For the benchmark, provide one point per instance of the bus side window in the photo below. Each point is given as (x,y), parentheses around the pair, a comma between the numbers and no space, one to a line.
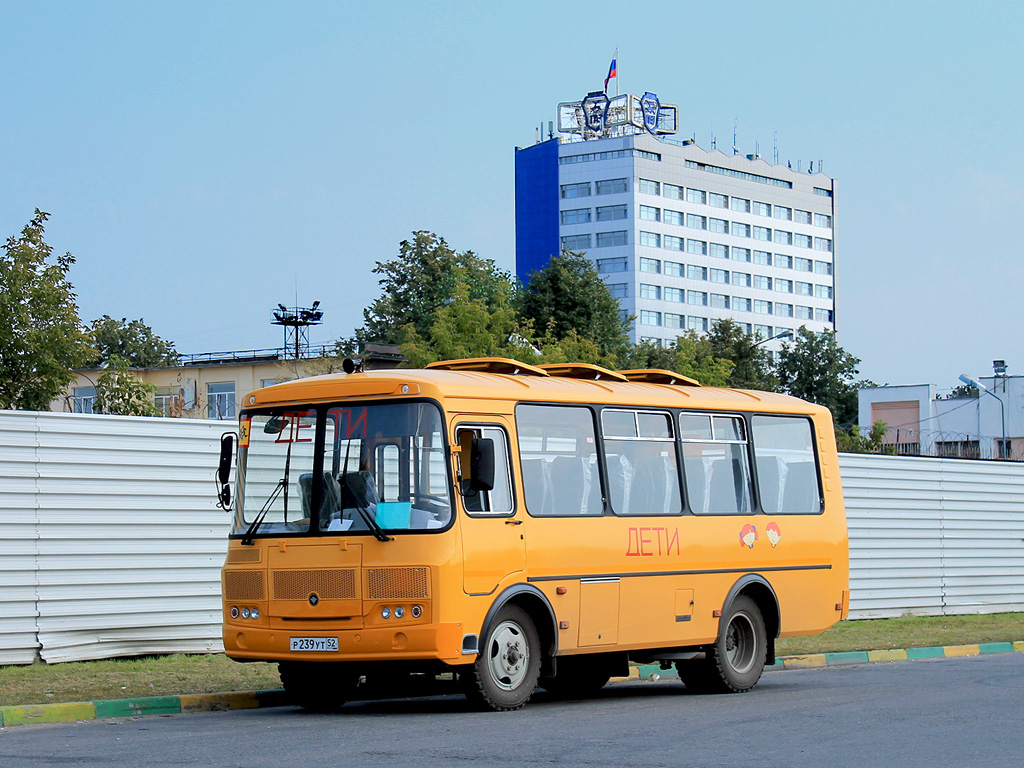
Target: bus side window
(559,467)
(497,501)
(715,464)
(787,471)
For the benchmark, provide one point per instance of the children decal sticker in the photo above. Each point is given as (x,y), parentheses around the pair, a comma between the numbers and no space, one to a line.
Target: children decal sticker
(773,533)
(748,535)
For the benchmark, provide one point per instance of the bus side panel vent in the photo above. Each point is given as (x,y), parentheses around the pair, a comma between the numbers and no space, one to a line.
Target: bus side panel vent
(240,586)
(331,584)
(397,583)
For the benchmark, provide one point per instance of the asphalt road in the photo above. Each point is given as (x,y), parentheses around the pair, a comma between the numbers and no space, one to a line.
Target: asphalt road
(947,712)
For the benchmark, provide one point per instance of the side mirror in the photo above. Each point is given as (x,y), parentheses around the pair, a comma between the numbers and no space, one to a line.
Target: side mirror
(227,452)
(481,463)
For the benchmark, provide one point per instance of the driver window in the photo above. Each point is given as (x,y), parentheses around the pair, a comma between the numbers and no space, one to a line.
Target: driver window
(497,501)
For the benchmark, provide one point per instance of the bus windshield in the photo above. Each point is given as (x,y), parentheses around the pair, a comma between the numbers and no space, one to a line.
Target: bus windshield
(380,467)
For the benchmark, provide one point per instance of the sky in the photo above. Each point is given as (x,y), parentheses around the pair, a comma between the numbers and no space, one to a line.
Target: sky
(205,161)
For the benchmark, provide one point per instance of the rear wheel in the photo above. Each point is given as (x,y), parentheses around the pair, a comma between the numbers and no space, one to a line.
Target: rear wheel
(578,677)
(322,687)
(735,662)
(506,669)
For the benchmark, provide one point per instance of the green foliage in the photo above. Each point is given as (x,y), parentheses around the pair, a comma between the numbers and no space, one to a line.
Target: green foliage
(752,365)
(41,338)
(964,390)
(134,342)
(814,367)
(569,295)
(421,282)
(691,355)
(119,391)
(853,441)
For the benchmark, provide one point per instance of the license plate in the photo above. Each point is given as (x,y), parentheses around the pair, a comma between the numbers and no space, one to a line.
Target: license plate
(314,644)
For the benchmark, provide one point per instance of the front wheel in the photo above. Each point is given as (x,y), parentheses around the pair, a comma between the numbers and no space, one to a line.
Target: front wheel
(506,669)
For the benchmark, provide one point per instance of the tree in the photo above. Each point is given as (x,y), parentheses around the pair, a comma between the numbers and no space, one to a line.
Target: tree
(569,295)
(133,342)
(853,441)
(690,355)
(814,367)
(752,365)
(421,282)
(119,391)
(41,336)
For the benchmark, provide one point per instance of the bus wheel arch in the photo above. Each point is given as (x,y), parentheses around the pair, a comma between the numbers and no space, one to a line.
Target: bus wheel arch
(758,589)
(539,609)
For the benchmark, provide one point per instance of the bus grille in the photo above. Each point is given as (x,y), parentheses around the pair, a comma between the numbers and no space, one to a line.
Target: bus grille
(397,583)
(327,584)
(243,555)
(243,585)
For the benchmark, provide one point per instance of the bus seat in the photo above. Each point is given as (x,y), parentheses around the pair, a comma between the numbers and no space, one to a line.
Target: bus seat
(801,489)
(568,485)
(358,489)
(726,492)
(595,504)
(696,480)
(537,486)
(647,491)
(620,482)
(331,501)
(769,483)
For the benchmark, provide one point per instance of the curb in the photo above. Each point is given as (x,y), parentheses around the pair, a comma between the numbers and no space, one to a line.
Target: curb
(222,702)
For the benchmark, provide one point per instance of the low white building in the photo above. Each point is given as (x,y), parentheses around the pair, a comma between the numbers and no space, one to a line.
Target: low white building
(920,420)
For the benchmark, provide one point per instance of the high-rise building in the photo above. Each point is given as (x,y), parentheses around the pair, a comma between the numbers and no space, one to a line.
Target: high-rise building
(683,236)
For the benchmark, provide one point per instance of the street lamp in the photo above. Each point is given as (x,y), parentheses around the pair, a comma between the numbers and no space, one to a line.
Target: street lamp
(1002,408)
(783,335)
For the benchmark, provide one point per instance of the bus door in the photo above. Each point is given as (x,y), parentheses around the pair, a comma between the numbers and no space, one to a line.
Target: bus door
(493,544)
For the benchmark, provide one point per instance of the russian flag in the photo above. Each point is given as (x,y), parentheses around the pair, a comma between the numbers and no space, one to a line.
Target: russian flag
(612,71)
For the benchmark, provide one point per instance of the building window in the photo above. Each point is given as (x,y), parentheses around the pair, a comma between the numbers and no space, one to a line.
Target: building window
(697,324)
(823,315)
(801,217)
(674,268)
(716,200)
(672,320)
(782,237)
(783,310)
(618,264)
(783,261)
(672,243)
(740,204)
(606,239)
(649,187)
(720,276)
(763,282)
(763,258)
(575,242)
(804,313)
(650,265)
(823,220)
(693,272)
(83,400)
(269,382)
(698,247)
(718,250)
(801,264)
(673,217)
(648,291)
(742,279)
(220,400)
(804,289)
(650,213)
(675,294)
(763,233)
(699,298)
(719,301)
(740,229)
(740,304)
(823,291)
(762,209)
(611,212)
(647,317)
(576,216)
(823,192)
(762,307)
(693,221)
(802,241)
(575,190)
(823,244)
(672,191)
(823,267)
(696,196)
(619,290)
(764,331)
(612,186)
(653,239)
(740,254)
(782,212)
(721,226)
(783,286)
(652,340)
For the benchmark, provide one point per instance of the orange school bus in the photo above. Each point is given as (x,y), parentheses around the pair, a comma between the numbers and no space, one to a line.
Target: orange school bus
(521,526)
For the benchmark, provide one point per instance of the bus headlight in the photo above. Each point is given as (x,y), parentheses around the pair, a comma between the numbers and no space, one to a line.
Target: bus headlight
(399,612)
(245,613)
(255,613)
(385,613)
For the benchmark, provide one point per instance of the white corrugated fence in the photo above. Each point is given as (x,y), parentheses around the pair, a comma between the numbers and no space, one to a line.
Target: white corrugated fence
(111,543)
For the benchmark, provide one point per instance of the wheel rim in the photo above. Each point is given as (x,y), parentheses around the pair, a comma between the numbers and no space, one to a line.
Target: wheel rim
(508,656)
(741,643)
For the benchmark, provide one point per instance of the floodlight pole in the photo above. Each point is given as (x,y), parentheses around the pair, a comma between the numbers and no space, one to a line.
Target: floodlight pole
(1002,409)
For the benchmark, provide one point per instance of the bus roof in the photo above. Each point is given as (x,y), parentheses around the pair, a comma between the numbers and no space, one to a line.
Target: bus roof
(443,384)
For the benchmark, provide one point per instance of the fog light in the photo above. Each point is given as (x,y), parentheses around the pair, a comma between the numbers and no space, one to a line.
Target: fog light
(385,613)
(255,613)
(416,611)
(245,613)
(399,612)
(234,611)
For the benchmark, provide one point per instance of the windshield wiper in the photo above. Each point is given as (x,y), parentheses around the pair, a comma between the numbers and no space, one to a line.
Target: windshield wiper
(257,521)
(378,532)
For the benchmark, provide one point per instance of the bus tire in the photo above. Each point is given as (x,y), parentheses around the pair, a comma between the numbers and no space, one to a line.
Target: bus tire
(506,669)
(317,687)
(739,654)
(578,677)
